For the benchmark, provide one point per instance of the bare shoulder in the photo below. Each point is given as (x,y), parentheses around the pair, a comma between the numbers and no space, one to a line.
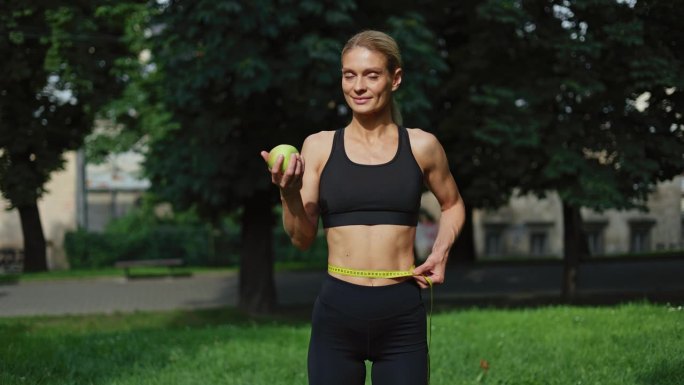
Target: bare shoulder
(424,145)
(316,148)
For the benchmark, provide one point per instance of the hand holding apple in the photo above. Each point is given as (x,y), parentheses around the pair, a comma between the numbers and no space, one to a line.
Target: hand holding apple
(291,182)
(282,149)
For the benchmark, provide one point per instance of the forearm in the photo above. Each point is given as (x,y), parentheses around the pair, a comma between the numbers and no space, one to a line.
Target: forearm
(450,225)
(297,223)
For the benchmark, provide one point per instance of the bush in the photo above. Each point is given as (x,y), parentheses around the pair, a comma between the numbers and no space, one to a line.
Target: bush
(141,234)
(194,245)
(89,250)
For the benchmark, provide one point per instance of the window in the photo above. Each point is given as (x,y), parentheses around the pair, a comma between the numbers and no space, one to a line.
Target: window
(639,241)
(594,232)
(494,245)
(538,243)
(539,238)
(640,235)
(595,242)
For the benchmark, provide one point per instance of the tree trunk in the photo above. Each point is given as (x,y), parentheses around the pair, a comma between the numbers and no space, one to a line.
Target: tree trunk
(463,250)
(35,258)
(257,287)
(575,248)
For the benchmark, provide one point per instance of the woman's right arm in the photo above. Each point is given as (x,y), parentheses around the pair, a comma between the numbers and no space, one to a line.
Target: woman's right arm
(299,192)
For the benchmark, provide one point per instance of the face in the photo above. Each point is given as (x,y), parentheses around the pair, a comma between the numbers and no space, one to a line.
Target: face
(366,83)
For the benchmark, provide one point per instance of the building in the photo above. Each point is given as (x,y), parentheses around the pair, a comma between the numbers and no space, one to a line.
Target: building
(532,227)
(57,213)
(111,190)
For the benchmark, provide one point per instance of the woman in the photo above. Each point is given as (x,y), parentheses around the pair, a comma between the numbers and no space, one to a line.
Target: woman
(365,182)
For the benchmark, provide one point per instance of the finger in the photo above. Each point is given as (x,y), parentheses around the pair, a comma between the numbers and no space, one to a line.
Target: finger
(299,169)
(436,278)
(288,175)
(264,155)
(277,166)
(421,281)
(420,270)
(292,165)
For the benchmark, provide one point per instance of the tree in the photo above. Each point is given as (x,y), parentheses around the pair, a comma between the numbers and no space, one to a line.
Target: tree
(478,117)
(547,103)
(603,150)
(235,78)
(57,61)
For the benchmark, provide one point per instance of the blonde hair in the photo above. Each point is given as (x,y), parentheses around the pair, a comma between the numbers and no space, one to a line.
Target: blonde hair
(383,43)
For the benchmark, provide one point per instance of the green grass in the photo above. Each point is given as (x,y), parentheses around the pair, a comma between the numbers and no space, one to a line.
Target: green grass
(635,344)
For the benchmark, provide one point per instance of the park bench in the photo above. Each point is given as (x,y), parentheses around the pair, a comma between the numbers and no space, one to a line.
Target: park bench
(127,265)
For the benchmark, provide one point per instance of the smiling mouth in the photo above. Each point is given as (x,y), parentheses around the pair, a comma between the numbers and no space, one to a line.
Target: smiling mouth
(361,100)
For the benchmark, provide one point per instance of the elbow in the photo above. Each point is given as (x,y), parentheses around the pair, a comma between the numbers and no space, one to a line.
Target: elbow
(302,244)
(302,237)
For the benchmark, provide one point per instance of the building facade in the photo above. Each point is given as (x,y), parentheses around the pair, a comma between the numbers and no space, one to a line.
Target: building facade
(57,213)
(78,196)
(532,227)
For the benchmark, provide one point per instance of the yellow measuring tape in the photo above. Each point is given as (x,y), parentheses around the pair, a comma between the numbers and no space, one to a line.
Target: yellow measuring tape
(390,274)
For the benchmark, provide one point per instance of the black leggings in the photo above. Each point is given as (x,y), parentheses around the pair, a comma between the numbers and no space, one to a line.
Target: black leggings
(383,324)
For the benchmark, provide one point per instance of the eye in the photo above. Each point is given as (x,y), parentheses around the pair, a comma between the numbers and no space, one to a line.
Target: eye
(373,76)
(348,75)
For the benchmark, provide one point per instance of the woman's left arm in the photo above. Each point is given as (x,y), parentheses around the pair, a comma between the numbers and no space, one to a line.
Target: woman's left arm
(431,157)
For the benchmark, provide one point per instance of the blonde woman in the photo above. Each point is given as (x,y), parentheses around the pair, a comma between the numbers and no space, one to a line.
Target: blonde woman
(364,181)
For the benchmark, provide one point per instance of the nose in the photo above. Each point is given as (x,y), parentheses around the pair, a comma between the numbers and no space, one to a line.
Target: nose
(359,85)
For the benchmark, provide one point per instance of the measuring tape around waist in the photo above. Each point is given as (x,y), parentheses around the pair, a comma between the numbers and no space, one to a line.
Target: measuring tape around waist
(371,273)
(390,274)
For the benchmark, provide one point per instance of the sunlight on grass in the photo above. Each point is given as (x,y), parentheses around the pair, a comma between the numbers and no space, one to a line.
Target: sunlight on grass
(629,344)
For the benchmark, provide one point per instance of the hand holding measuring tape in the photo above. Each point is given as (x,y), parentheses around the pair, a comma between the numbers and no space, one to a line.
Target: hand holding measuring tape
(431,270)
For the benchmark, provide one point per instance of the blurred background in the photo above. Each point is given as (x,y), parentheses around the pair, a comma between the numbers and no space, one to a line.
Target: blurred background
(131,130)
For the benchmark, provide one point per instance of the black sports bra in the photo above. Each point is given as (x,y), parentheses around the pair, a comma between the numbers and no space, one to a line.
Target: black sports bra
(362,194)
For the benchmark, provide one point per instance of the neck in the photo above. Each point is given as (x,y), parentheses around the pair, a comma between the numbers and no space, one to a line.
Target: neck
(372,124)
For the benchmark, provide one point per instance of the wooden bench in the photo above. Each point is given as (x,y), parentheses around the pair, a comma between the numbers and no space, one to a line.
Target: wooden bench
(127,265)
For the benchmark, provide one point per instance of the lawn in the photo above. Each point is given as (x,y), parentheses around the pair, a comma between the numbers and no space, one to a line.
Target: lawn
(637,343)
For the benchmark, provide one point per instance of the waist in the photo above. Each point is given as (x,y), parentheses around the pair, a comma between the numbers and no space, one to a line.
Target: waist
(364,273)
(370,277)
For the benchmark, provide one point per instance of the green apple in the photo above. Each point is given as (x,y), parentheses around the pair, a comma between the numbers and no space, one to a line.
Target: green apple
(282,149)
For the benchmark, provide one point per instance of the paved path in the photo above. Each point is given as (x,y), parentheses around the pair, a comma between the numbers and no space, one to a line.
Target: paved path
(478,284)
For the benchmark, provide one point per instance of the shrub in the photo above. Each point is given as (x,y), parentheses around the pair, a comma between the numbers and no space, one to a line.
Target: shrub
(142,234)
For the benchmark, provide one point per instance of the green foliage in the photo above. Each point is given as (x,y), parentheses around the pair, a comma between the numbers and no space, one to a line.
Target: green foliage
(142,234)
(541,97)
(214,94)
(57,61)
(423,68)
(89,250)
(56,75)
(135,116)
(622,345)
(225,76)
